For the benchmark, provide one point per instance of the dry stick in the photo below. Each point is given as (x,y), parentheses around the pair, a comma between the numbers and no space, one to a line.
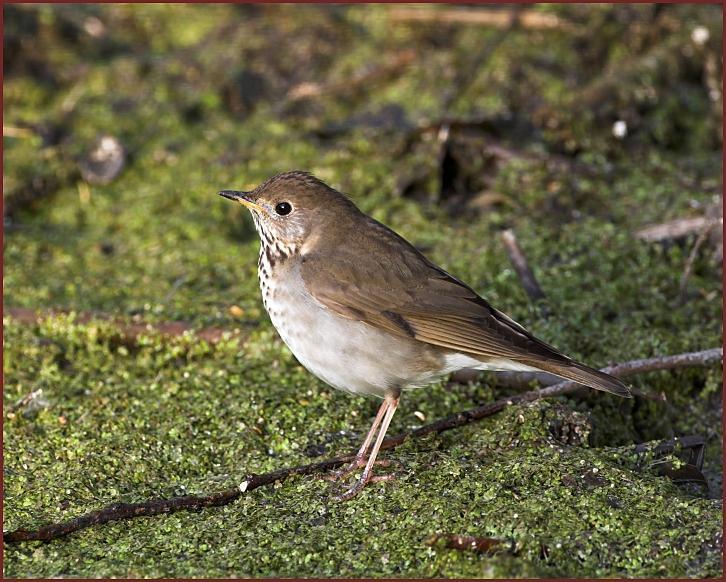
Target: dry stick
(674,229)
(703,358)
(17,132)
(118,511)
(522,380)
(483,17)
(521,266)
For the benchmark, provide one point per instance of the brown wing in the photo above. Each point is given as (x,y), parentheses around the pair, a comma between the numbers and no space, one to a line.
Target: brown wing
(413,297)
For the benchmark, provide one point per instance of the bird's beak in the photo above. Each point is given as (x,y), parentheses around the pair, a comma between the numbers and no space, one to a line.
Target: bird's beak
(243,198)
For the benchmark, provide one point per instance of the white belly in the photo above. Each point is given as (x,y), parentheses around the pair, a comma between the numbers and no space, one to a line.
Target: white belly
(347,354)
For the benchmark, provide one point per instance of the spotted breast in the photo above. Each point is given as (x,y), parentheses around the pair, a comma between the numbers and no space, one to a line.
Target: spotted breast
(348,355)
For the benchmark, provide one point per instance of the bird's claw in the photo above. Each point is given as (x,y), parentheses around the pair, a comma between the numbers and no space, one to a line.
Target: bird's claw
(353,467)
(358,486)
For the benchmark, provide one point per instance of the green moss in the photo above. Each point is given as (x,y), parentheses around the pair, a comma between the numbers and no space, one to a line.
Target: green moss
(170,417)
(151,429)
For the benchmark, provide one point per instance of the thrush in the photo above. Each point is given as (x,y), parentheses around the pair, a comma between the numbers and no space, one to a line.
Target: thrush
(366,312)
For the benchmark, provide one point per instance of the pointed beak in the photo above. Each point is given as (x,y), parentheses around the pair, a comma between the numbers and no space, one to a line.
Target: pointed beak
(241,197)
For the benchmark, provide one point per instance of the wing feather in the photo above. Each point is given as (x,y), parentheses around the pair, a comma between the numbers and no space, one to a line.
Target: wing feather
(416,299)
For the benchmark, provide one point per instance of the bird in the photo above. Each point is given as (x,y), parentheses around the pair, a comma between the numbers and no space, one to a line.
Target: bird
(366,312)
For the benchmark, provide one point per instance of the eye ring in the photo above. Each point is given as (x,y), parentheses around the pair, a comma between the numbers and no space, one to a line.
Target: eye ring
(283,208)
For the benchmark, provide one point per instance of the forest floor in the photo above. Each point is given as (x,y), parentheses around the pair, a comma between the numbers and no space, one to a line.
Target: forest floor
(576,127)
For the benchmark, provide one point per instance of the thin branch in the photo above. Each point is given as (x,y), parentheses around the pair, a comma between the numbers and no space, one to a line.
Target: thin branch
(691,359)
(529,19)
(119,511)
(675,229)
(521,266)
(522,380)
(18,132)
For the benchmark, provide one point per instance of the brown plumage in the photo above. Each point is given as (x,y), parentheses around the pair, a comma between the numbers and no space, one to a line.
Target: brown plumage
(365,311)
(412,297)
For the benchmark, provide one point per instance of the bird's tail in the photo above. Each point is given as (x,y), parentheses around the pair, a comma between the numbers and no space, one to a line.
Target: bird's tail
(588,376)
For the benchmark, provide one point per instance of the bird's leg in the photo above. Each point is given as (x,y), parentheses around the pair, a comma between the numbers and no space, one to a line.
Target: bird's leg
(360,456)
(367,472)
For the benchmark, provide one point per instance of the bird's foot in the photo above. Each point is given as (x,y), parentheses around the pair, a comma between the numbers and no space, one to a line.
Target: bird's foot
(357,487)
(352,491)
(352,468)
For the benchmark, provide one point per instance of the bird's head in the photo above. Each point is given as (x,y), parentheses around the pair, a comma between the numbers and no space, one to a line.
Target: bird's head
(292,207)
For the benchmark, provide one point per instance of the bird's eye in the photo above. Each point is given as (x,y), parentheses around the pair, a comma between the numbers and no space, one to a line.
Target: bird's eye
(283,208)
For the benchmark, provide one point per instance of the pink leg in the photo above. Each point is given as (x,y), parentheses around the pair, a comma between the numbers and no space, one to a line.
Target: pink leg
(367,472)
(361,454)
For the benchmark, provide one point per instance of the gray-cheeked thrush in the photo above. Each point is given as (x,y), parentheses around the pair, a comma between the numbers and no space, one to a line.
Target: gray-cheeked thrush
(366,312)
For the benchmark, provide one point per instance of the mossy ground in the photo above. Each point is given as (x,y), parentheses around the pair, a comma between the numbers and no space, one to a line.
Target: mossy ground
(170,417)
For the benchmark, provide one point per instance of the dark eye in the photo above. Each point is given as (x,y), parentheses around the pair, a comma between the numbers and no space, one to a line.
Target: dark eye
(283,208)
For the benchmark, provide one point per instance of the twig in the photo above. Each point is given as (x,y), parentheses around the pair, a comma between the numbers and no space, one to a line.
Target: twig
(688,268)
(691,359)
(128,333)
(521,266)
(483,17)
(521,380)
(18,132)
(119,511)
(674,229)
